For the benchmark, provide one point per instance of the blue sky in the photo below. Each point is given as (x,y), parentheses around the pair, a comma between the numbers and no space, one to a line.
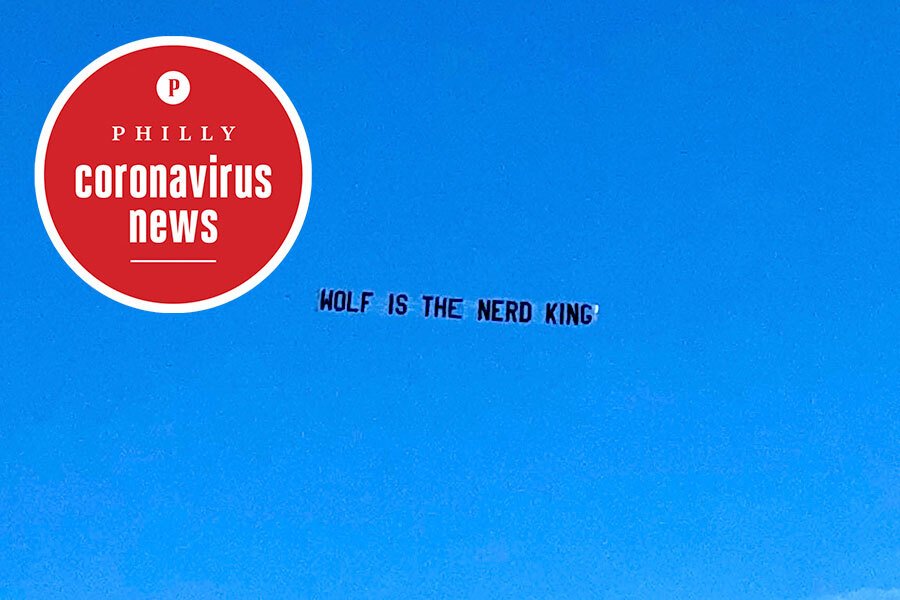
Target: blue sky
(720,178)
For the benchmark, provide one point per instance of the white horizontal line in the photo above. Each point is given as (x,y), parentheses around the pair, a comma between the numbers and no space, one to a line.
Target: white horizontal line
(172,260)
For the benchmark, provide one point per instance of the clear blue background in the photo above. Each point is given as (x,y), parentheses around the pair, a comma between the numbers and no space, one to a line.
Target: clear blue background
(722,179)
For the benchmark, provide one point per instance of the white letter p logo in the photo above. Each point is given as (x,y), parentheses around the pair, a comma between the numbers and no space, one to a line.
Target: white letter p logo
(173,87)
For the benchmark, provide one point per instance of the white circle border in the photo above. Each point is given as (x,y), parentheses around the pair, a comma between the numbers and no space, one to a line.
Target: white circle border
(197,305)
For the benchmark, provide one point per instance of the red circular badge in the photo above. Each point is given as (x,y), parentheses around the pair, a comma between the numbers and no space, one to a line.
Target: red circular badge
(173,174)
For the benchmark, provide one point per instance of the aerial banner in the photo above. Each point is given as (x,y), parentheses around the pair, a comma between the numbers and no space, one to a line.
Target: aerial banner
(456,308)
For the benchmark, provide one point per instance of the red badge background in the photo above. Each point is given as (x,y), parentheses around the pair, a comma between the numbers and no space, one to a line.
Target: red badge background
(123,92)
